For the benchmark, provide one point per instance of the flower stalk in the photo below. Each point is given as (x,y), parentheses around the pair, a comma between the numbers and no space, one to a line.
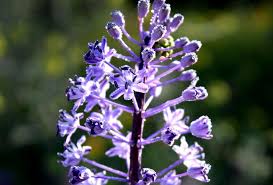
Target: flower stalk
(137,132)
(139,79)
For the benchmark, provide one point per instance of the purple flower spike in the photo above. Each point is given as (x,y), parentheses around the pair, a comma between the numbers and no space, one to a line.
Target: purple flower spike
(192,46)
(149,67)
(74,153)
(199,172)
(158,32)
(98,52)
(118,18)
(127,84)
(176,21)
(67,124)
(164,12)
(148,54)
(114,30)
(170,179)
(148,176)
(194,93)
(201,127)
(143,7)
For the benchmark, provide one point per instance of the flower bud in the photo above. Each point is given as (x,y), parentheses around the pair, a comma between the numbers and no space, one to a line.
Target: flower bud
(79,174)
(188,75)
(188,60)
(118,18)
(181,42)
(164,12)
(113,30)
(176,21)
(169,136)
(148,54)
(143,7)
(199,172)
(148,175)
(157,4)
(192,46)
(96,127)
(195,93)
(201,127)
(158,32)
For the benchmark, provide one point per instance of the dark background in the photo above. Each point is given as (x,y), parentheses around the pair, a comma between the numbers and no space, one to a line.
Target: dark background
(41,46)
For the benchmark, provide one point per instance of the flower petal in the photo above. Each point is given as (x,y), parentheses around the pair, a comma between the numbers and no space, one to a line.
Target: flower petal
(128,94)
(117,93)
(141,87)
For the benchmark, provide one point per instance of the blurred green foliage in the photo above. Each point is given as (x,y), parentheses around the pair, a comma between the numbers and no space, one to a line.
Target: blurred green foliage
(41,46)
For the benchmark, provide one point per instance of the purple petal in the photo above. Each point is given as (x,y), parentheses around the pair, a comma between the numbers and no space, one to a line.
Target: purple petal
(128,94)
(141,87)
(81,141)
(90,105)
(103,43)
(117,93)
(178,114)
(96,116)
(116,113)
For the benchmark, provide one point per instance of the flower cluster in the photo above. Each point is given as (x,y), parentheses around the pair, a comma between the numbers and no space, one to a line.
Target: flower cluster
(140,81)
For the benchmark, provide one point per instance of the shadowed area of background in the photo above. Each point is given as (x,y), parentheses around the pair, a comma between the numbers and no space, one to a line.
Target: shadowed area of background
(41,46)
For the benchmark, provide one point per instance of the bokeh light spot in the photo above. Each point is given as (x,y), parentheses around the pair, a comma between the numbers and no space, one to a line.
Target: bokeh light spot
(55,66)
(2,103)
(98,146)
(219,93)
(3,45)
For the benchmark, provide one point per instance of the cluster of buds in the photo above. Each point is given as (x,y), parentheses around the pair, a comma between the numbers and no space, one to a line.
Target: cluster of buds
(140,82)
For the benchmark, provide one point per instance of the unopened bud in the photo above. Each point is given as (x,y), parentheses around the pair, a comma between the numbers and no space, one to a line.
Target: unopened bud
(188,60)
(143,7)
(188,75)
(114,30)
(118,18)
(176,21)
(181,42)
(157,4)
(202,127)
(199,172)
(195,93)
(192,46)
(158,32)
(164,12)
